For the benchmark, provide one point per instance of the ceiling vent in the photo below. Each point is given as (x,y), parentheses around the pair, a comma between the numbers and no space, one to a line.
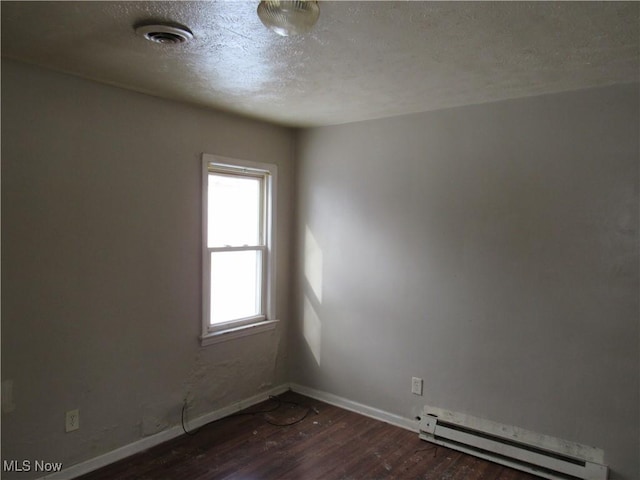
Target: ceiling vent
(164,33)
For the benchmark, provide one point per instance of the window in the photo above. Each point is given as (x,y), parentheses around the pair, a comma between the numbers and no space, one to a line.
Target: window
(238,248)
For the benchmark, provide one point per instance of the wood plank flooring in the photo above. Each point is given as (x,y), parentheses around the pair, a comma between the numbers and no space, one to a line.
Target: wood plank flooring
(330,444)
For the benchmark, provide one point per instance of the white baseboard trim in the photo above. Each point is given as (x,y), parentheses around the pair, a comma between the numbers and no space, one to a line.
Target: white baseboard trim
(148,442)
(360,408)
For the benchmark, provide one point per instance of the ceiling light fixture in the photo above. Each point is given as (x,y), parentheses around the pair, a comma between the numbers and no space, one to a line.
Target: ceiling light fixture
(164,33)
(287,18)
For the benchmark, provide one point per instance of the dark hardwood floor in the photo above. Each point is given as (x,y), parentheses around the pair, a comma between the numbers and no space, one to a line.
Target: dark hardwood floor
(330,444)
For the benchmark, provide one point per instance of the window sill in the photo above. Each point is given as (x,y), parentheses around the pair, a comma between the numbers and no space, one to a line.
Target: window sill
(237,332)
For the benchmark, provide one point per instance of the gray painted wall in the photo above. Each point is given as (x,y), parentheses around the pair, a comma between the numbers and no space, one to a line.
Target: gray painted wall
(491,250)
(101,194)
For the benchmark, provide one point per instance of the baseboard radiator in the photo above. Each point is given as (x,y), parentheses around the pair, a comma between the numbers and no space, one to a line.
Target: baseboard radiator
(541,455)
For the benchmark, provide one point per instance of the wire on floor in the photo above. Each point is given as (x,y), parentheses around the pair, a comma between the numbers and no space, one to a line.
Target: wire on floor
(258,412)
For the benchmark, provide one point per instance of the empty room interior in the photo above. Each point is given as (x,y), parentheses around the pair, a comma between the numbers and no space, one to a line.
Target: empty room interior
(420,216)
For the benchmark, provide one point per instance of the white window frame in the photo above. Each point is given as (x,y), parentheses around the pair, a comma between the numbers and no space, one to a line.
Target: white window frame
(212,334)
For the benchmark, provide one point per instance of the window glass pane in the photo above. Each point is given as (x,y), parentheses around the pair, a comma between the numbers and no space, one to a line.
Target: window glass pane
(233,210)
(235,285)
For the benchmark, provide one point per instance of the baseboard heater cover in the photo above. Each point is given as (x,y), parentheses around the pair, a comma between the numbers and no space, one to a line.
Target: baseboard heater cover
(542,455)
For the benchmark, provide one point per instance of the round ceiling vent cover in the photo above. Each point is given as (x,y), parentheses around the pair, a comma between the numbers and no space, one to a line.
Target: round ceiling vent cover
(163,33)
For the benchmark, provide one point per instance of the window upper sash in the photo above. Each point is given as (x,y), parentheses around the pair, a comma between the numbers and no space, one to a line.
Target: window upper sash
(244,173)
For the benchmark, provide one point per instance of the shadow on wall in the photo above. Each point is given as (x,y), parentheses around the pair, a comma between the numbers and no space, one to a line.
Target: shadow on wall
(312,325)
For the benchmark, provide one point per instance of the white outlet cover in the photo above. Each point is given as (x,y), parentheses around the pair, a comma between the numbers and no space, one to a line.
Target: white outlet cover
(72,420)
(7,396)
(416,386)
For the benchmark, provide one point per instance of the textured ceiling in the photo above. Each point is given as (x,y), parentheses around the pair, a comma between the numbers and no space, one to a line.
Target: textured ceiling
(363,60)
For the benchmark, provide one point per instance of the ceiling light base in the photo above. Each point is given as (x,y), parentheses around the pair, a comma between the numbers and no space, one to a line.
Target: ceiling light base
(288,18)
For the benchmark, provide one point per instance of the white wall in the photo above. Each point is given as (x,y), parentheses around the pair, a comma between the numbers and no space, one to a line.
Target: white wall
(491,250)
(101,218)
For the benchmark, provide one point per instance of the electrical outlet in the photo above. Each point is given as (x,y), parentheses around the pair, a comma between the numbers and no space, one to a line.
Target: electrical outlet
(416,386)
(7,396)
(72,420)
